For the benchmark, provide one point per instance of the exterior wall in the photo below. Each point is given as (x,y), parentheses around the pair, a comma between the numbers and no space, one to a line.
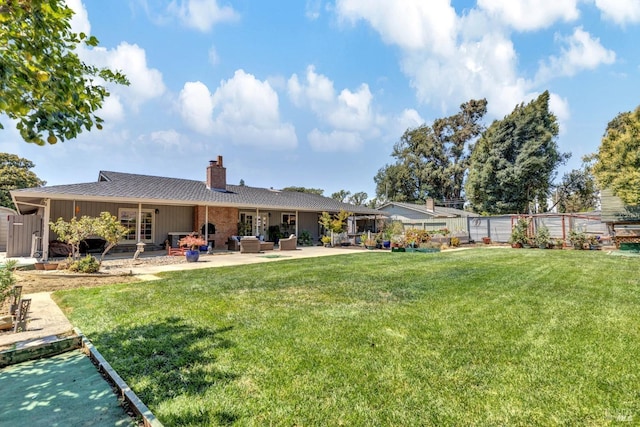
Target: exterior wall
(309,221)
(168,219)
(4,226)
(401,214)
(224,219)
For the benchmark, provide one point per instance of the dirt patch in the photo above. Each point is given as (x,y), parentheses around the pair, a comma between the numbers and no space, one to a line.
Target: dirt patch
(111,272)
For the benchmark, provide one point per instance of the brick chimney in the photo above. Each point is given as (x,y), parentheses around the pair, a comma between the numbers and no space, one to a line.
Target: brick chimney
(430,205)
(216,175)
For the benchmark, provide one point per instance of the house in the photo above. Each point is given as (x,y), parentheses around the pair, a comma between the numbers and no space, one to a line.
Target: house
(623,221)
(4,226)
(427,216)
(159,209)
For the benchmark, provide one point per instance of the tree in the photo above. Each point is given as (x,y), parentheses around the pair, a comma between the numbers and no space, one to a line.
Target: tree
(44,85)
(75,231)
(110,229)
(335,223)
(432,161)
(15,173)
(577,191)
(317,191)
(358,198)
(512,165)
(341,196)
(617,165)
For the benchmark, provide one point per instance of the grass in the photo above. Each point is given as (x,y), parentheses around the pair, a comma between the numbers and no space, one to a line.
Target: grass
(477,337)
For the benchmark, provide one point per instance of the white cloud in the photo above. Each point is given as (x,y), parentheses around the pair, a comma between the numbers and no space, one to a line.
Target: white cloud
(410,24)
(196,107)
(145,83)
(312,9)
(560,107)
(527,15)
(335,141)
(581,52)
(201,14)
(243,110)
(214,59)
(80,19)
(620,11)
(112,109)
(167,138)
(348,111)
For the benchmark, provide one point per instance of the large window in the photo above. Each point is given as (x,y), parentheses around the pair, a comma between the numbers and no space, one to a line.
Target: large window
(129,218)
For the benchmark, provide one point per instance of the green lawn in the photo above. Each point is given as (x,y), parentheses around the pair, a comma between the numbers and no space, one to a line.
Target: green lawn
(475,337)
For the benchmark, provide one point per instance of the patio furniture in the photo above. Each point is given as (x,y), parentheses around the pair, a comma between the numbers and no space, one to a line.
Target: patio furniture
(233,244)
(249,245)
(266,246)
(289,244)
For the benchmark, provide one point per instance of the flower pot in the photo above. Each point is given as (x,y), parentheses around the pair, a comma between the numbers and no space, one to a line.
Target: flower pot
(192,255)
(516,245)
(386,244)
(486,240)
(39,265)
(52,266)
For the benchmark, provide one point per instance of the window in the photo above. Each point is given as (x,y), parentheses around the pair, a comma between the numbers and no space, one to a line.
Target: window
(289,219)
(129,217)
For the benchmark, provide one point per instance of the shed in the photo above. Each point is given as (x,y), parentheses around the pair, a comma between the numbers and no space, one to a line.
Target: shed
(4,226)
(623,220)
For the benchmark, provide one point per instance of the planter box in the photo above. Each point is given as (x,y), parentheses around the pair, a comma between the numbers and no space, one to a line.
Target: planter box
(397,250)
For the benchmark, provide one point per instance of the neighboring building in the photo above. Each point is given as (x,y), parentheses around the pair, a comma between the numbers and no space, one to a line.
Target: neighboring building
(622,220)
(157,209)
(427,216)
(4,226)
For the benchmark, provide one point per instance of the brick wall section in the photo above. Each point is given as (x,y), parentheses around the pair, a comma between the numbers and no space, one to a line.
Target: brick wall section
(225,220)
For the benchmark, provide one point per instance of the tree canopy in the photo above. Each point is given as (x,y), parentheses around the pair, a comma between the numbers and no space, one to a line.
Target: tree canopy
(317,191)
(617,165)
(15,173)
(577,191)
(513,164)
(432,161)
(44,85)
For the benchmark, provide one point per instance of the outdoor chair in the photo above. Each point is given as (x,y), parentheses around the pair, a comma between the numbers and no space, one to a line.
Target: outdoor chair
(289,244)
(249,245)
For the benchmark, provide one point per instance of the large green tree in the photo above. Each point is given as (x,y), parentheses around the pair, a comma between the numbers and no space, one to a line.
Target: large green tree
(577,191)
(44,85)
(431,161)
(617,165)
(513,164)
(15,173)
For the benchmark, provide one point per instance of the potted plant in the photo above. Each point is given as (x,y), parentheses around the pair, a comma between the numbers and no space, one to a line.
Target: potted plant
(542,237)
(326,240)
(594,243)
(193,243)
(519,237)
(578,239)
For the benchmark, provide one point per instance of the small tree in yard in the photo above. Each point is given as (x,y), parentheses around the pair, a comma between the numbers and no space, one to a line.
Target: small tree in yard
(335,223)
(75,231)
(110,229)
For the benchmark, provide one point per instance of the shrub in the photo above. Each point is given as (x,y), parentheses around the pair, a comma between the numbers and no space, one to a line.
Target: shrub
(7,279)
(88,264)
(455,242)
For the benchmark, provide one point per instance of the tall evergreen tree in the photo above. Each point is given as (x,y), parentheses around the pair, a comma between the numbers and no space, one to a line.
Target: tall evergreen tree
(431,161)
(513,164)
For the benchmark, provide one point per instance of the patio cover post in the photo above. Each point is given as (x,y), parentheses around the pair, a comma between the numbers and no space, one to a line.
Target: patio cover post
(45,229)
(139,223)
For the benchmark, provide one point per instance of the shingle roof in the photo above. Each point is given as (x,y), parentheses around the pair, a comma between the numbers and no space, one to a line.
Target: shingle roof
(439,211)
(115,186)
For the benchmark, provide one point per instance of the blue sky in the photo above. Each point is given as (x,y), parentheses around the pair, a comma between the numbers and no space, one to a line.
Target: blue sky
(315,93)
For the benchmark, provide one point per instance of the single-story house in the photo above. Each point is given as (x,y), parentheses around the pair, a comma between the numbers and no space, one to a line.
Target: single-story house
(623,221)
(427,215)
(159,209)
(4,226)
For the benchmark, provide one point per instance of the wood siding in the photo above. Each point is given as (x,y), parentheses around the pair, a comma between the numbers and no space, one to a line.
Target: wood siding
(614,210)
